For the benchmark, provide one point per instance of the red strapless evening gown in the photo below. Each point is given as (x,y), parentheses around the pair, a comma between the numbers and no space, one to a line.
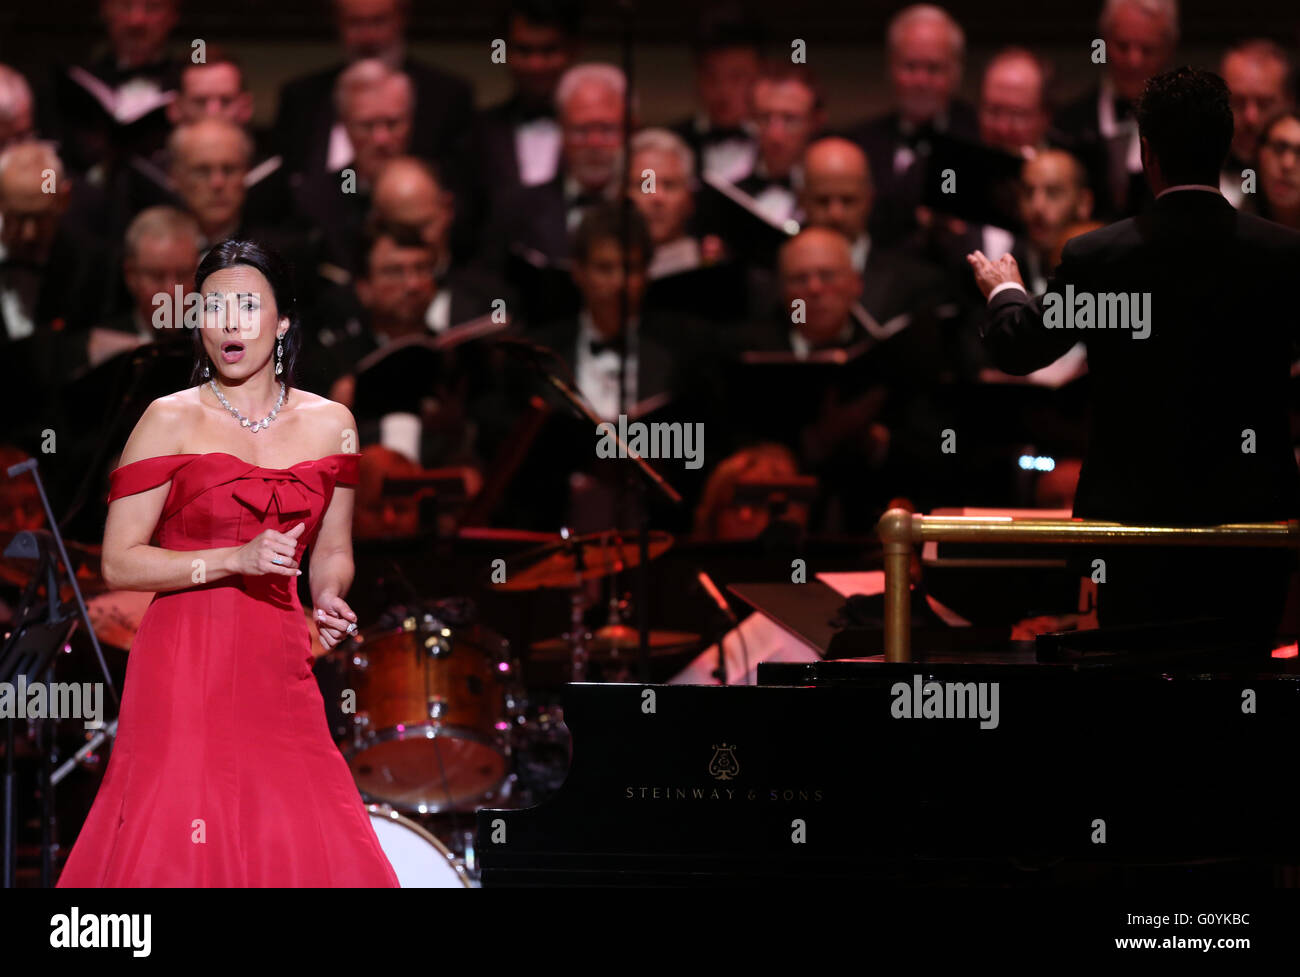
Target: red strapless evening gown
(223,772)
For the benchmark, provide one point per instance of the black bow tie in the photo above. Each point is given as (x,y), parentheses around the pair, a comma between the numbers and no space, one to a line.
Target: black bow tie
(599,346)
(109,73)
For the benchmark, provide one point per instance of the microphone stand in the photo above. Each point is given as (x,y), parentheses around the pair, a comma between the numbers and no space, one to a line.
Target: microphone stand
(649,477)
(30,648)
(627,347)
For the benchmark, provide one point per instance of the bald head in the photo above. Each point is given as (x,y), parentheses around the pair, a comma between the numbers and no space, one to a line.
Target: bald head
(33,196)
(209,160)
(837,190)
(1012,112)
(194,137)
(817,270)
(409,192)
(1053,195)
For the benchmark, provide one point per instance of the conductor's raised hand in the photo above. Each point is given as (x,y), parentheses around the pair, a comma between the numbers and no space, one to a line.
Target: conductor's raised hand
(990,274)
(269,552)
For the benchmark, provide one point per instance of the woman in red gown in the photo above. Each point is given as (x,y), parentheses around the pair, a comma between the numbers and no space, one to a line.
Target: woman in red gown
(223,772)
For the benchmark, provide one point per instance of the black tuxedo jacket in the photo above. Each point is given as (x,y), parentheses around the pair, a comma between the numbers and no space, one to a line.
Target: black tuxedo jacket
(528,218)
(1169,411)
(335,218)
(654,358)
(88,135)
(496,165)
(1077,128)
(443,109)
(692,136)
(897,195)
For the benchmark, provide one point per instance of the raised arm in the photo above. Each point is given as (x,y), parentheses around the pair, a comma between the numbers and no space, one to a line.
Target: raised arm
(1013,331)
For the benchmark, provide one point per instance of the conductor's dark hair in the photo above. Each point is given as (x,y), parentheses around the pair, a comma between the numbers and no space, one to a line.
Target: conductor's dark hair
(278,274)
(564,15)
(605,222)
(1186,118)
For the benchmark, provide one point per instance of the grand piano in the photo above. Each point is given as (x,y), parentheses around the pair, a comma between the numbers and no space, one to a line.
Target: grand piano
(1011,769)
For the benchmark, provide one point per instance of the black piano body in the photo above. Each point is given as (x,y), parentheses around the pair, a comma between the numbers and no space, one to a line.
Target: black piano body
(907,773)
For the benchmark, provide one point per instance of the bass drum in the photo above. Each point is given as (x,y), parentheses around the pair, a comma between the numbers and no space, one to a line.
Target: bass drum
(418,858)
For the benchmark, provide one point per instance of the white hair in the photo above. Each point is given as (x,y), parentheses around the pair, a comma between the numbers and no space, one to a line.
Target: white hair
(594,73)
(1166,10)
(37,156)
(160,223)
(15,94)
(665,141)
(366,74)
(926,11)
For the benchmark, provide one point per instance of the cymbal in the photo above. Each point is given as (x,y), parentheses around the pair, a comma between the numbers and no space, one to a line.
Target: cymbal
(555,565)
(615,641)
(85,565)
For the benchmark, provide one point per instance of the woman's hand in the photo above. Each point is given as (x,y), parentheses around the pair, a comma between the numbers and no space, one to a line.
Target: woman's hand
(335,621)
(269,552)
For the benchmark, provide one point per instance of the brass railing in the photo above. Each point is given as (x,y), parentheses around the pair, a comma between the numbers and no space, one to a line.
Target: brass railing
(900,529)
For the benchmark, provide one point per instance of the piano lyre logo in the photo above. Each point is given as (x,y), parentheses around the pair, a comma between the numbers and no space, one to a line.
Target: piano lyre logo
(724,765)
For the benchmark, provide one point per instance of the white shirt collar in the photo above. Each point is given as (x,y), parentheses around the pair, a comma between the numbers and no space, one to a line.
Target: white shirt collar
(860,252)
(1190,186)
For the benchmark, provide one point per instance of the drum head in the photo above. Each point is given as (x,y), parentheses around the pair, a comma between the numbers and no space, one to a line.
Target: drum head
(418,858)
(408,771)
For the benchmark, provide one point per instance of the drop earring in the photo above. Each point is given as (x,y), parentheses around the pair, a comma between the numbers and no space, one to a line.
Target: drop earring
(279,352)
(206,372)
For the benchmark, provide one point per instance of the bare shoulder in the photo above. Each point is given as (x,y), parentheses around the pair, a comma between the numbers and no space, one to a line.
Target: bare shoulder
(163,426)
(332,425)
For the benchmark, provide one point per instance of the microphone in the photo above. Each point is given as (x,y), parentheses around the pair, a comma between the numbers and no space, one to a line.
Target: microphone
(715,595)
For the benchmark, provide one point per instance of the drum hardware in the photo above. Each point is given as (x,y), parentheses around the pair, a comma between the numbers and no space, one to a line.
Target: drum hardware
(437,729)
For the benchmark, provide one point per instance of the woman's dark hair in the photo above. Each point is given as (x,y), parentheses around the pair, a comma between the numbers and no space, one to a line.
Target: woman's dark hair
(278,273)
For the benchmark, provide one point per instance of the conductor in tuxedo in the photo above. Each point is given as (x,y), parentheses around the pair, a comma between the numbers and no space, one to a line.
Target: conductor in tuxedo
(1189,406)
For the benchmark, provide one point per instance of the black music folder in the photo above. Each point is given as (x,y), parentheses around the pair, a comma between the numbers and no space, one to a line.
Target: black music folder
(395,377)
(984,182)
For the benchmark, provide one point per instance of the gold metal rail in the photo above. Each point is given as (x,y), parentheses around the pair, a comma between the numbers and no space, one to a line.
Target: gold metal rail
(900,529)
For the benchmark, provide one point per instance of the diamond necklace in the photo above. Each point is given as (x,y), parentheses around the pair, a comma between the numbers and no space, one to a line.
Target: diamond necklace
(253,426)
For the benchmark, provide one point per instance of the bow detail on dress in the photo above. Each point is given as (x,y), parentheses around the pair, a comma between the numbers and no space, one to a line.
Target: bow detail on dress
(274,492)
